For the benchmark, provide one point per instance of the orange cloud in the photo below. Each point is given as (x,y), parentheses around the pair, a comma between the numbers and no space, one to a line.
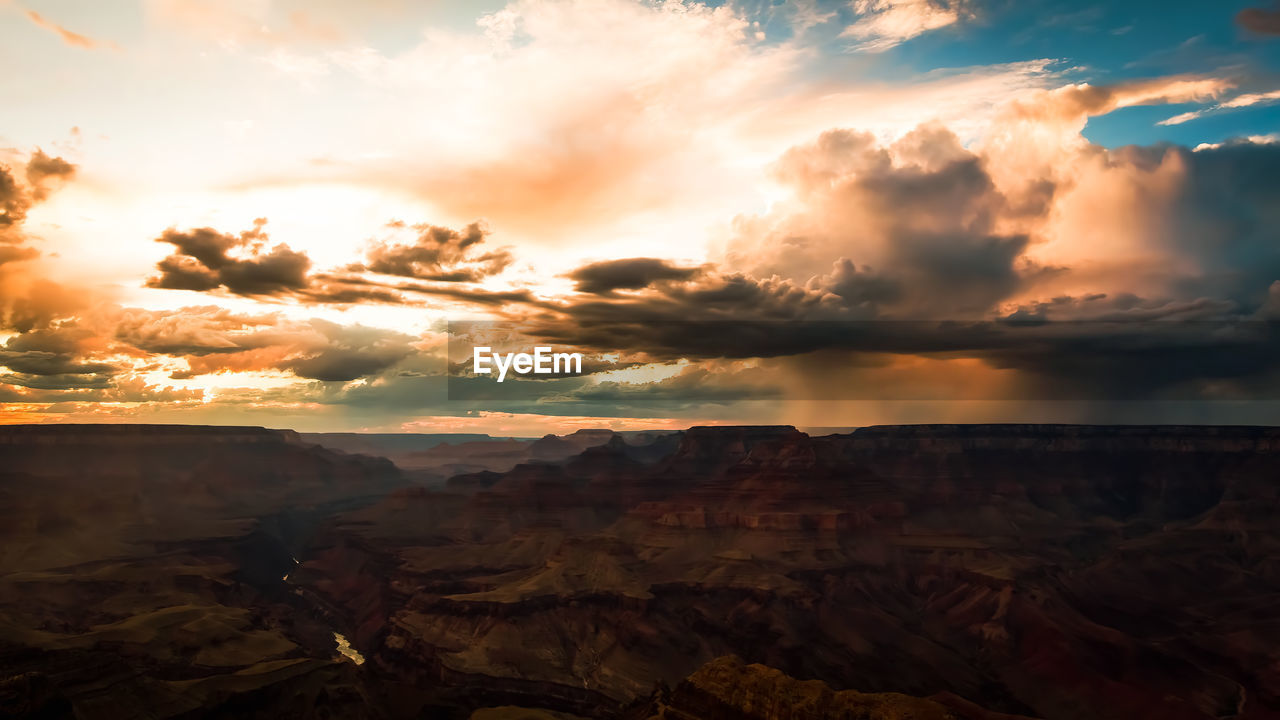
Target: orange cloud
(73,39)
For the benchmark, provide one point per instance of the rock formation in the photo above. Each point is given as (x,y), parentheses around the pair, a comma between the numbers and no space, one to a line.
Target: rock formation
(979,572)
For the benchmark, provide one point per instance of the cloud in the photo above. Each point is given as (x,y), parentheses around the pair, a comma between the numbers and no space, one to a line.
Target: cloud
(1182,117)
(107,354)
(1005,254)
(1264,21)
(43,174)
(86,351)
(345,290)
(349,352)
(621,105)
(28,301)
(202,261)
(9,254)
(638,121)
(660,321)
(806,14)
(36,362)
(73,39)
(62,355)
(475,296)
(246,264)
(923,228)
(603,278)
(210,339)
(883,24)
(871,240)
(439,254)
(249,22)
(43,169)
(198,330)
(1239,101)
(933,229)
(915,229)
(14,200)
(54,381)
(1040,129)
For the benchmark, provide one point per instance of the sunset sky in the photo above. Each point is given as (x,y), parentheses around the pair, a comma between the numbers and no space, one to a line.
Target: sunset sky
(265,212)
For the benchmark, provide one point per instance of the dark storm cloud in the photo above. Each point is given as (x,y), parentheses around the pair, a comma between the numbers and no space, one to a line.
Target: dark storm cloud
(438,254)
(603,278)
(1226,220)
(1265,21)
(863,286)
(913,232)
(663,322)
(942,286)
(202,261)
(1129,347)
(1118,359)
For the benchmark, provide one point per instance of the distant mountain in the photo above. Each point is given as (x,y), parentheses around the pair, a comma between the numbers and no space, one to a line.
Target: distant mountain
(446,455)
(392,445)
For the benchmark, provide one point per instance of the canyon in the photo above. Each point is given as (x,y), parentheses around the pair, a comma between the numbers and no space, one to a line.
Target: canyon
(958,571)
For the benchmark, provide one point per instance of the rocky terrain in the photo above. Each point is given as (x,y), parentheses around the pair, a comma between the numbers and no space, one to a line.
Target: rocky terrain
(754,572)
(141,572)
(728,689)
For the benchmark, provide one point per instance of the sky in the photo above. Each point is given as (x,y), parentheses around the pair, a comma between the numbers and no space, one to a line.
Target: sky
(268,212)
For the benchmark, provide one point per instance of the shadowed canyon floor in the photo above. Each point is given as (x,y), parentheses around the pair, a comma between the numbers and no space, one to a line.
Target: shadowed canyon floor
(922,571)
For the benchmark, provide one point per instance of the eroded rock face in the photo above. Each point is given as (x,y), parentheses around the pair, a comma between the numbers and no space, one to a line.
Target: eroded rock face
(142,572)
(1054,571)
(728,689)
(978,571)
